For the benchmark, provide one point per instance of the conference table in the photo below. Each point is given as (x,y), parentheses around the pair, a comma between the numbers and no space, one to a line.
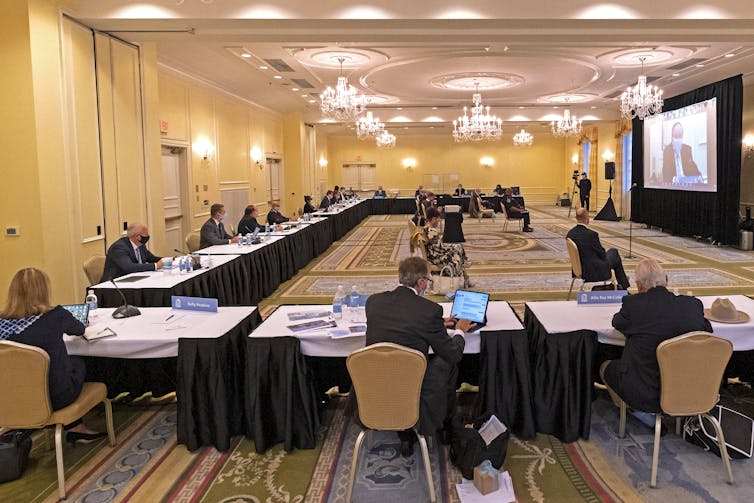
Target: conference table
(501,345)
(564,342)
(346,216)
(200,355)
(393,206)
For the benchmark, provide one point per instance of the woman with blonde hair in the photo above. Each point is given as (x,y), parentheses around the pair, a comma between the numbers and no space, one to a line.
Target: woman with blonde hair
(29,318)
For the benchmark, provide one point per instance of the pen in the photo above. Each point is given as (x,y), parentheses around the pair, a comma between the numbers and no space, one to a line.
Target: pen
(168,318)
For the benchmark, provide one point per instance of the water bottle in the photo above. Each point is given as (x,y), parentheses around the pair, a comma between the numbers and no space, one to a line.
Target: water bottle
(353,303)
(241,240)
(266,231)
(91,300)
(337,303)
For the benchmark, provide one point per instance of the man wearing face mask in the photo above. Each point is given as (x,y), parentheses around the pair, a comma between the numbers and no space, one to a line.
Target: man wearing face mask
(129,254)
(677,160)
(274,217)
(213,231)
(404,317)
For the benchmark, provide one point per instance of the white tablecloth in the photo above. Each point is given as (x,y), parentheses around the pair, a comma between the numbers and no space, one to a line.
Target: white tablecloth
(338,209)
(500,316)
(567,316)
(234,249)
(150,335)
(166,279)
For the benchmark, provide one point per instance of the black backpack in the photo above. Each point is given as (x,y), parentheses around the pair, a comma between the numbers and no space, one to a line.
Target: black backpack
(15,446)
(468,450)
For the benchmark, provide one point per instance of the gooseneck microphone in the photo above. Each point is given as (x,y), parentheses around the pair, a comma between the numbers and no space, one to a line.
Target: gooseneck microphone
(124,311)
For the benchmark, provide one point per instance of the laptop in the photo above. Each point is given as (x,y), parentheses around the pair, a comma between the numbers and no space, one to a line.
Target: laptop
(80,312)
(471,306)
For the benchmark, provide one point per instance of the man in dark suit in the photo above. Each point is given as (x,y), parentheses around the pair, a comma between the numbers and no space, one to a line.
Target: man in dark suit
(404,317)
(274,217)
(213,231)
(327,201)
(585,187)
(677,158)
(460,190)
(595,261)
(129,254)
(380,193)
(647,319)
(513,210)
(249,222)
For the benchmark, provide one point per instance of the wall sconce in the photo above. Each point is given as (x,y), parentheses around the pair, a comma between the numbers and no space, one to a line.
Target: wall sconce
(748,143)
(204,148)
(575,159)
(409,163)
(256,156)
(608,156)
(322,162)
(487,162)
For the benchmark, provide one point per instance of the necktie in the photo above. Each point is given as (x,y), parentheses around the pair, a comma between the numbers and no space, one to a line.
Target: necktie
(221,230)
(138,256)
(678,165)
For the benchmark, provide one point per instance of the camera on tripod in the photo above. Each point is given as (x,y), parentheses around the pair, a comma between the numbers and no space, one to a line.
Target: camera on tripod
(575,175)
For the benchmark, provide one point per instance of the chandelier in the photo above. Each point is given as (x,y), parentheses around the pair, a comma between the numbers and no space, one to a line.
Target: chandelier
(523,138)
(384,139)
(480,125)
(642,100)
(342,103)
(568,125)
(368,126)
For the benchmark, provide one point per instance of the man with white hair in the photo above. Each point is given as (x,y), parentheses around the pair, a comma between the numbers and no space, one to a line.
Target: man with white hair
(647,319)
(129,254)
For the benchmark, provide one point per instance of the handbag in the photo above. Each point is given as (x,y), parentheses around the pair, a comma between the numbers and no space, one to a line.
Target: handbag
(15,446)
(468,449)
(442,283)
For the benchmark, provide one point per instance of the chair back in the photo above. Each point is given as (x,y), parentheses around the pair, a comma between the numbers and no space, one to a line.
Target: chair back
(691,370)
(419,242)
(193,241)
(230,229)
(411,232)
(573,255)
(24,393)
(94,268)
(387,379)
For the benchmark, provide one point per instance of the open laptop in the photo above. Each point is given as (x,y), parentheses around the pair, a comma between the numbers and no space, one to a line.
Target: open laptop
(471,306)
(80,312)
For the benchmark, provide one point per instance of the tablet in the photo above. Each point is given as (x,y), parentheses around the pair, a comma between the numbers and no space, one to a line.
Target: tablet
(472,306)
(79,311)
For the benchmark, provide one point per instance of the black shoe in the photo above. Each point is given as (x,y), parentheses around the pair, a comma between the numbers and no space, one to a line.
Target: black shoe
(75,437)
(407,448)
(528,229)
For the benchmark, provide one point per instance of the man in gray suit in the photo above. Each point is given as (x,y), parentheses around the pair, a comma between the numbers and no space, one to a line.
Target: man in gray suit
(213,230)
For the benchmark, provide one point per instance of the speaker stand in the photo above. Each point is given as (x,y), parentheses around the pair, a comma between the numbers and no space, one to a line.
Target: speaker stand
(608,211)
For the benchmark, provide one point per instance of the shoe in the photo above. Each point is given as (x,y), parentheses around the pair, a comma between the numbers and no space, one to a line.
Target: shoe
(75,437)
(528,229)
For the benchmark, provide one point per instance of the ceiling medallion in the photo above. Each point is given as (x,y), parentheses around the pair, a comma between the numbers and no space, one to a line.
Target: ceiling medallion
(485,81)
(642,100)
(478,126)
(368,126)
(342,103)
(568,125)
(385,140)
(523,138)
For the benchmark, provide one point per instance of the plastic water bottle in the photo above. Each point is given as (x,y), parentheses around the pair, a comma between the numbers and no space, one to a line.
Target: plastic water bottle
(353,303)
(91,300)
(241,240)
(337,303)
(266,231)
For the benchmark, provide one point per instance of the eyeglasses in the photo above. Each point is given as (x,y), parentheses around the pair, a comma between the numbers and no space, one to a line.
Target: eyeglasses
(428,280)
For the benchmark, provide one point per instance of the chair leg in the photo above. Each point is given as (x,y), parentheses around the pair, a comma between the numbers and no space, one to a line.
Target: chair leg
(622,422)
(722,446)
(678,426)
(570,289)
(109,420)
(59,460)
(656,450)
(427,467)
(354,462)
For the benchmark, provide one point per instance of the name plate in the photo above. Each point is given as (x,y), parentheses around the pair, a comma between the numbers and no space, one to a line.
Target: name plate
(601,297)
(194,304)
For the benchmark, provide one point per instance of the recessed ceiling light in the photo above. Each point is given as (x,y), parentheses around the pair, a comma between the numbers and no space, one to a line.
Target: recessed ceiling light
(263,67)
(304,95)
(676,75)
(700,65)
(729,55)
(277,77)
(246,55)
(294,89)
(593,108)
(312,101)
(399,108)
(434,108)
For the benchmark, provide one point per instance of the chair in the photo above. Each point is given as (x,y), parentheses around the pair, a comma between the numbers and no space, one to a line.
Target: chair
(691,369)
(519,221)
(230,229)
(387,380)
(573,255)
(412,230)
(193,241)
(94,268)
(482,212)
(26,402)
(419,242)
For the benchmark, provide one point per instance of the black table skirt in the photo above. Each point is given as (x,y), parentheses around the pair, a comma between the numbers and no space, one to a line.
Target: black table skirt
(349,218)
(563,367)
(453,232)
(393,206)
(211,388)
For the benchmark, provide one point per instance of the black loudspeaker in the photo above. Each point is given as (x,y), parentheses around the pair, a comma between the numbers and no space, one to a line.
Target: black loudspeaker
(609,171)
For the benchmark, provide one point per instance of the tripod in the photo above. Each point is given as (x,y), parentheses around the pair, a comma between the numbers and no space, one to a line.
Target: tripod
(573,196)
(630,225)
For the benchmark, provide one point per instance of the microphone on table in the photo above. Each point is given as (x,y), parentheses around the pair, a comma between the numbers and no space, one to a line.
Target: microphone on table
(633,186)
(124,311)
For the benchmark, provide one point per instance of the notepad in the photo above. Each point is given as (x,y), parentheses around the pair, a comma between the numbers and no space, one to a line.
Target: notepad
(94,335)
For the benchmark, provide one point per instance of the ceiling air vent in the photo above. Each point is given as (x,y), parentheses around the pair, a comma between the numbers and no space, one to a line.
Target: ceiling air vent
(687,63)
(302,83)
(279,65)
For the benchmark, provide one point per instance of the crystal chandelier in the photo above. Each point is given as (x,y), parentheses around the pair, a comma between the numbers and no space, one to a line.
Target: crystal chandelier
(342,103)
(385,140)
(523,138)
(368,127)
(480,125)
(642,100)
(568,125)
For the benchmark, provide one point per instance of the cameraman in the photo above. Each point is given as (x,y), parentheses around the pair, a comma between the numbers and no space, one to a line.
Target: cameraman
(585,187)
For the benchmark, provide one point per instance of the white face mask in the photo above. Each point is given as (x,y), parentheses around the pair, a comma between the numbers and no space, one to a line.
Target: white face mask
(677,143)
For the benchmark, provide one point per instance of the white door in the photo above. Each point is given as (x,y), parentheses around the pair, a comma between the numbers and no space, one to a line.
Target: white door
(274,178)
(172,184)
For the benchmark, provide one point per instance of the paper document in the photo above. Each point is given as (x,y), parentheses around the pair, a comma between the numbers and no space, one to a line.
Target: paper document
(492,429)
(308,315)
(467,493)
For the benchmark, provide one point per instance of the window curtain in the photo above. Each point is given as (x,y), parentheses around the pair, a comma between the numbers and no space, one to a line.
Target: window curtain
(622,128)
(592,136)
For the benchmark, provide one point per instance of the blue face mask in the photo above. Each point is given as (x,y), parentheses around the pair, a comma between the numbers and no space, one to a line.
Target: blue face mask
(222,216)
(677,143)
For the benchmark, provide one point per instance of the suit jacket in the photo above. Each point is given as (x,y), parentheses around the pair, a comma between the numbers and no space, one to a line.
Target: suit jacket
(646,320)
(594,264)
(460,192)
(379,193)
(247,225)
(308,208)
(213,234)
(274,217)
(121,260)
(688,165)
(326,203)
(585,187)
